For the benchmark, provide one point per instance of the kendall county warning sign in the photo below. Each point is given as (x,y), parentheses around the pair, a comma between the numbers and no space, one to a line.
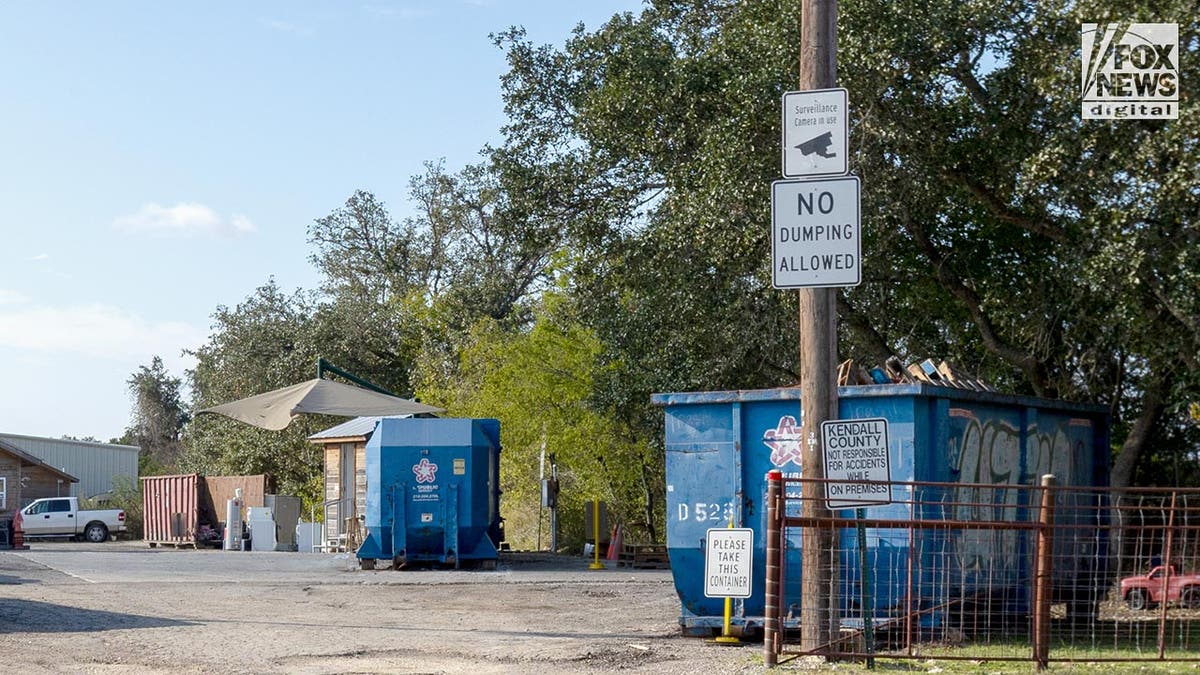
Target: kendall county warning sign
(728,561)
(856,451)
(1130,71)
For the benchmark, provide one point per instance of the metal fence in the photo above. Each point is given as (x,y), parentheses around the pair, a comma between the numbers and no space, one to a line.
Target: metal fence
(990,572)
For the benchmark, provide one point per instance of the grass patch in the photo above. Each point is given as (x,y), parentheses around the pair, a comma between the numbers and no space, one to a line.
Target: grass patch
(984,658)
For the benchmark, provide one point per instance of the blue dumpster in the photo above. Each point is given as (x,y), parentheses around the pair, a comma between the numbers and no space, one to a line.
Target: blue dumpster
(433,492)
(720,445)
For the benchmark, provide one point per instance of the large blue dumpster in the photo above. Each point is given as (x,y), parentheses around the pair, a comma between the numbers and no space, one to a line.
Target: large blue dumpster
(720,445)
(433,492)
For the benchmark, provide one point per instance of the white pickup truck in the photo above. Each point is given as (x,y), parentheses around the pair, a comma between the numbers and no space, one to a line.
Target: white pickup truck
(61,517)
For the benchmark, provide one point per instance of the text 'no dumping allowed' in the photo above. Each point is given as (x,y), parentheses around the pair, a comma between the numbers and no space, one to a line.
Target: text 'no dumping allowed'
(816,233)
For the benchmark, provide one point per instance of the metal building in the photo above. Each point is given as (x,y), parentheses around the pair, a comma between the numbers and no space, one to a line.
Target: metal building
(95,464)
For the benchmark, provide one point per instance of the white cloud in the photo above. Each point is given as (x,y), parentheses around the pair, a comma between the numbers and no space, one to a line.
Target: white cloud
(8,297)
(241,224)
(399,12)
(287,27)
(97,331)
(40,256)
(183,219)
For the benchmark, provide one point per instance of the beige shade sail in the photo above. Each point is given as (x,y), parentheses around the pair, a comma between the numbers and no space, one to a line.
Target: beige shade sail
(276,409)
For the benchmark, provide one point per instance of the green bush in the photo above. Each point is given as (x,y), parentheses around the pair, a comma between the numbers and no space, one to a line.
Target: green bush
(127,495)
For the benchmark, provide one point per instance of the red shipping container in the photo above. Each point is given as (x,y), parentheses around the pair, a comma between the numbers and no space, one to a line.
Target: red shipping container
(178,507)
(172,509)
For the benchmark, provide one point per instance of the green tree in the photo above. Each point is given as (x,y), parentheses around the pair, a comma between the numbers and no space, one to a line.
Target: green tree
(393,292)
(1051,255)
(262,344)
(538,383)
(158,417)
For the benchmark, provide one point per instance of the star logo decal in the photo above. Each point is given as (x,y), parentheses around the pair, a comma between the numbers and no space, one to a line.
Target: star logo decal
(784,441)
(425,472)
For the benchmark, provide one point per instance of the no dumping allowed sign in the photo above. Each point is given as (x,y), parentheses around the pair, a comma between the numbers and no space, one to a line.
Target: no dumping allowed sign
(816,233)
(856,451)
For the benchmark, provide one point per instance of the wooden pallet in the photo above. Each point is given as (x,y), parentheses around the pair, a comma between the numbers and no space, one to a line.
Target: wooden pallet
(644,558)
(175,544)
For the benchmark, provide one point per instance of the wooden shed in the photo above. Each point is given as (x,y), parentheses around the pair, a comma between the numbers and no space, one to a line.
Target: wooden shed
(24,478)
(345,481)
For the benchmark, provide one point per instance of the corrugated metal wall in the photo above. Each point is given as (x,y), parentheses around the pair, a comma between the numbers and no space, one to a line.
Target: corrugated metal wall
(176,506)
(172,508)
(220,489)
(94,464)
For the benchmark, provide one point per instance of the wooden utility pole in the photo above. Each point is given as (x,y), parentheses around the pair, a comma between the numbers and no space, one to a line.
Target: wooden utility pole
(818,370)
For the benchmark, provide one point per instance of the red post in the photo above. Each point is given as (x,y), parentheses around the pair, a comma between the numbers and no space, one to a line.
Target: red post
(771,622)
(18,542)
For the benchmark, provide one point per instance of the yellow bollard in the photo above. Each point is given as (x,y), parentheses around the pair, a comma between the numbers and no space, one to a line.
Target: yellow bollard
(596,564)
(725,638)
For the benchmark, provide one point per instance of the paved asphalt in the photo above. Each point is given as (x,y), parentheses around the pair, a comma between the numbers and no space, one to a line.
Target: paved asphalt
(135,562)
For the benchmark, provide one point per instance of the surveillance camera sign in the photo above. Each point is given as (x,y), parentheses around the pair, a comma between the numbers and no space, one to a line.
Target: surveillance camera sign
(1130,71)
(815,133)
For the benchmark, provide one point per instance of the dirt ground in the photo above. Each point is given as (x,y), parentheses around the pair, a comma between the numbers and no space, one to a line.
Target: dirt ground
(122,607)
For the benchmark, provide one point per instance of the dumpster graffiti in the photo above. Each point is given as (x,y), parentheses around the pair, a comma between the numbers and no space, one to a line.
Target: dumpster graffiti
(719,447)
(989,451)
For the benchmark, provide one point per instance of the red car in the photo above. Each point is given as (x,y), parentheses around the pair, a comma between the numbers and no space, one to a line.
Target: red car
(1144,592)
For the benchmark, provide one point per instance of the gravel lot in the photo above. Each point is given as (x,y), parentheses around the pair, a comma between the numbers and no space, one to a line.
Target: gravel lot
(121,607)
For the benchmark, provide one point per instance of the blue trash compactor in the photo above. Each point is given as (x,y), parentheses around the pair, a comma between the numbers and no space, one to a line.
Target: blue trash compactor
(720,445)
(433,493)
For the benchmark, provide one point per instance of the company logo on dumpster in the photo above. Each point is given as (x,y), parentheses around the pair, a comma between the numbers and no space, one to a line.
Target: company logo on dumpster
(425,472)
(784,441)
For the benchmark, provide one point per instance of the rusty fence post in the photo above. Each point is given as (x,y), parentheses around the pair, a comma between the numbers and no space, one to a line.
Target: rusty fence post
(1043,578)
(771,628)
(911,606)
(1168,540)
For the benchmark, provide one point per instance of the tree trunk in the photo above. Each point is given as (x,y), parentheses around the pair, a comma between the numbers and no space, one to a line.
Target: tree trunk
(1153,404)
(649,513)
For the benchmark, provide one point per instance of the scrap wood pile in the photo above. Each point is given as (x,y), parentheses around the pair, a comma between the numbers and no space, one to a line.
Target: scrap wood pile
(644,557)
(895,372)
(640,557)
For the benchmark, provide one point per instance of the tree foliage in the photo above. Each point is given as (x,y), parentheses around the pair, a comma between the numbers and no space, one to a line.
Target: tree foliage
(262,344)
(1051,255)
(538,383)
(616,243)
(158,417)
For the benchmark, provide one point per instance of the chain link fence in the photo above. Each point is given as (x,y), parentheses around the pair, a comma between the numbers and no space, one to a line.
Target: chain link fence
(990,572)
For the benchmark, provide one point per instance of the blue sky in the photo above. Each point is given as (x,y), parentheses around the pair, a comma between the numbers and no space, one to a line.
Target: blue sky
(158,160)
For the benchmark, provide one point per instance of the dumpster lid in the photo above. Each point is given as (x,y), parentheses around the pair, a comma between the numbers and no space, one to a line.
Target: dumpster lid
(873,390)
